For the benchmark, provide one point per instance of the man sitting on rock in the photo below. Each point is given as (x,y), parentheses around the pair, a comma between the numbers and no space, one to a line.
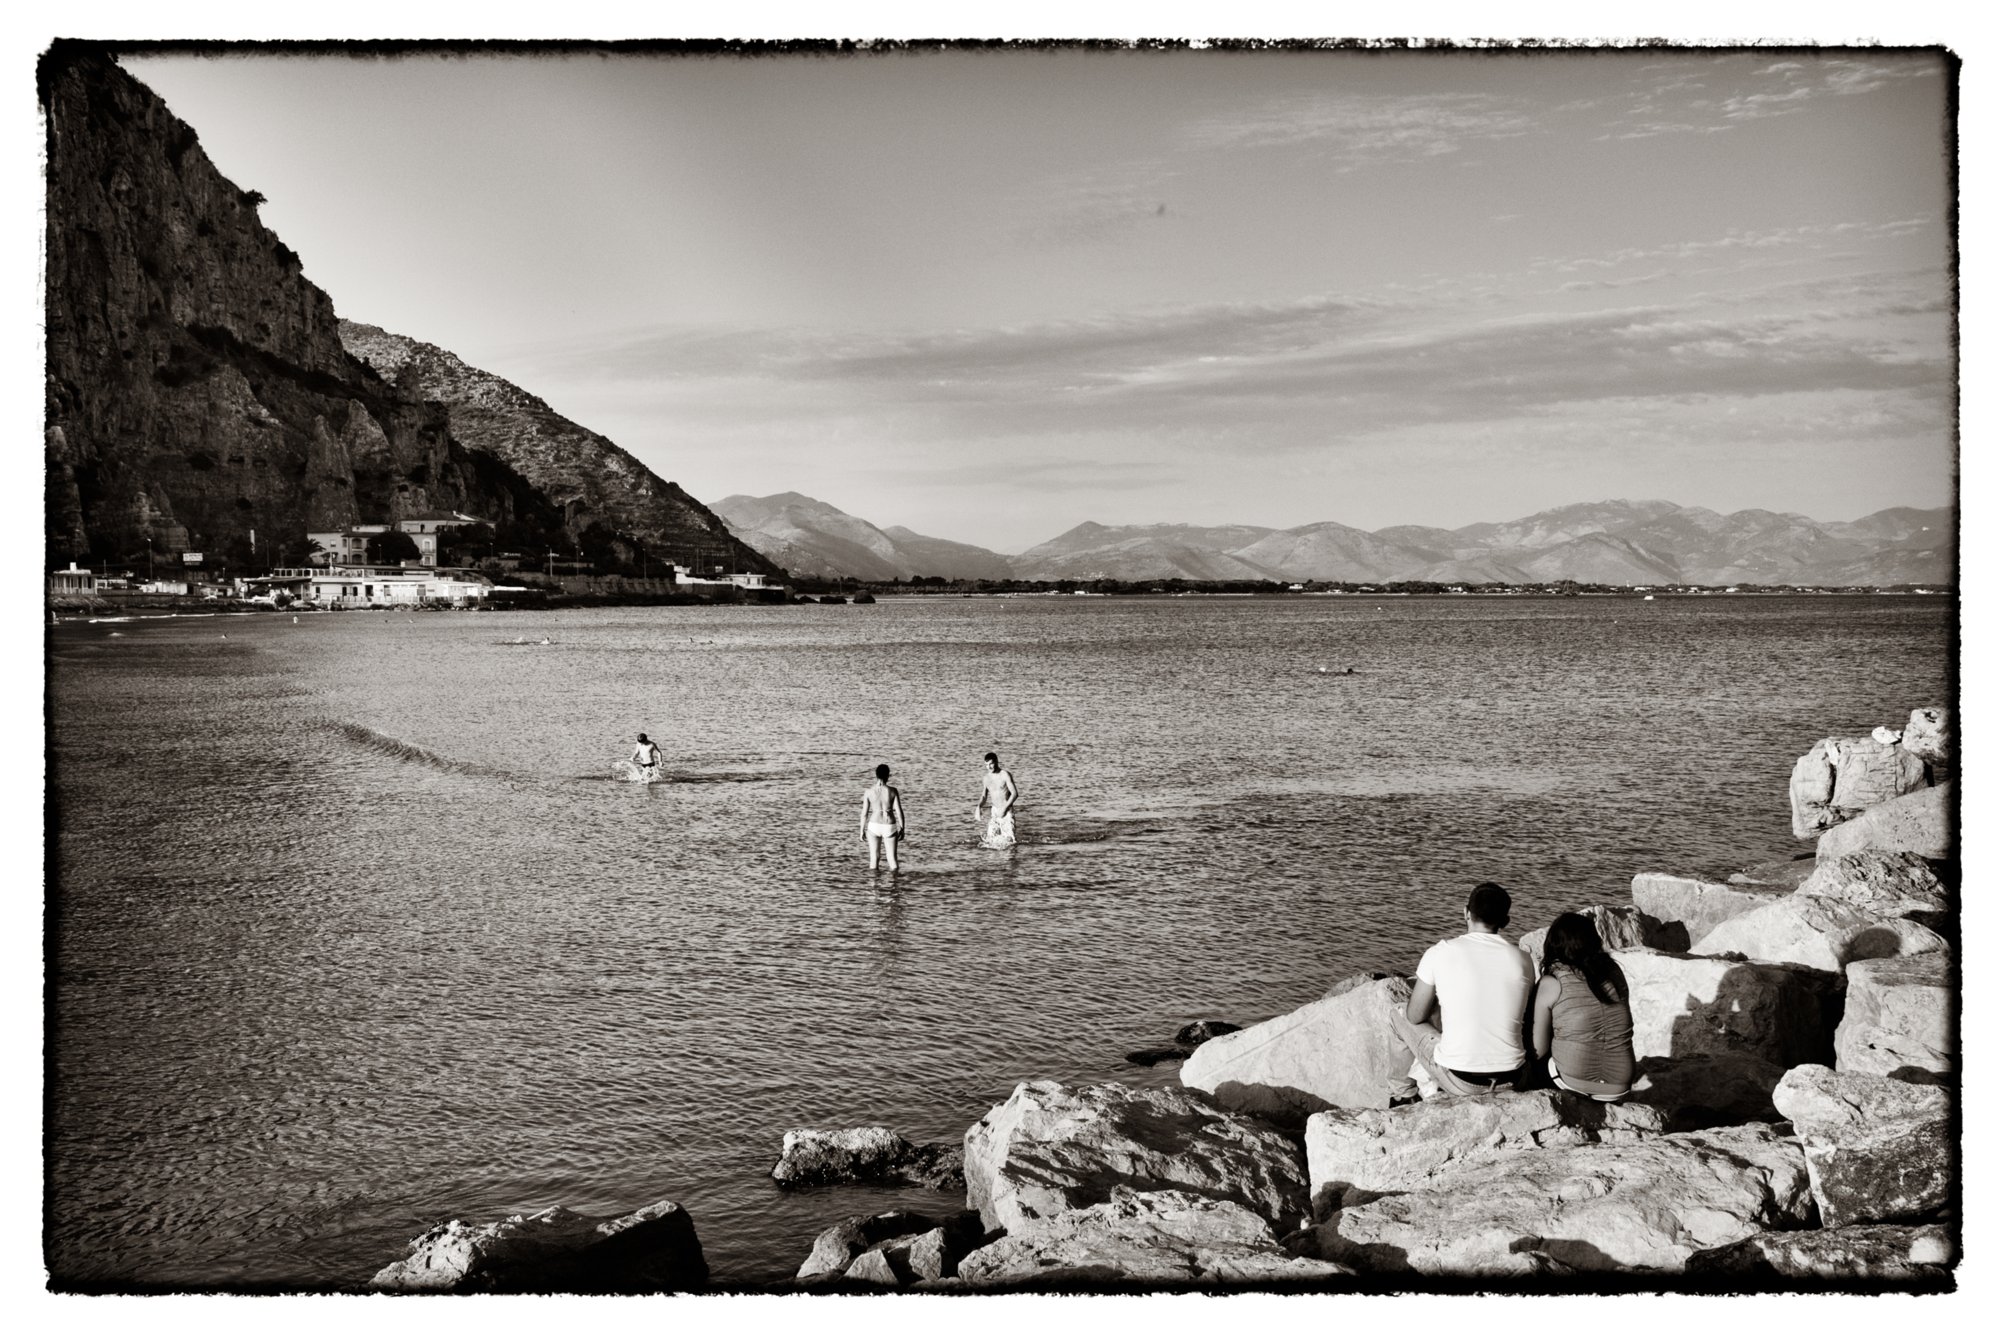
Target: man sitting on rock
(1477,985)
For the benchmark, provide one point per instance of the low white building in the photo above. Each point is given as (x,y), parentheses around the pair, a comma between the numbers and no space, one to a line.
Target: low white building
(364,587)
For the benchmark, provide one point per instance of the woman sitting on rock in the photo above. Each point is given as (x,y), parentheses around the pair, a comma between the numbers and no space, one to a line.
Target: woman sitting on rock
(1583,1013)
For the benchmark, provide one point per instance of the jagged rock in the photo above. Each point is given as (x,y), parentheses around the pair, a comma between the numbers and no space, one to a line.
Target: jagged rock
(555,1250)
(1928,735)
(1782,874)
(1916,823)
(1871,772)
(840,1245)
(1707,1090)
(1887,1254)
(1822,1099)
(1339,1051)
(1887,885)
(873,1154)
(1354,1156)
(1697,904)
(1620,927)
(1649,1205)
(1143,1239)
(1689,1005)
(1049,1149)
(1878,1150)
(917,1257)
(1194,1035)
(1898,1019)
(1819,932)
(1811,789)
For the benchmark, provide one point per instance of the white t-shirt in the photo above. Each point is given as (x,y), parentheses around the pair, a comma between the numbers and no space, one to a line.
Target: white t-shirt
(1482,981)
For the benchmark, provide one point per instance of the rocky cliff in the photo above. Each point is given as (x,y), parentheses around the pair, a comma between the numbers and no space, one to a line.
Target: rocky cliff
(596,482)
(197,389)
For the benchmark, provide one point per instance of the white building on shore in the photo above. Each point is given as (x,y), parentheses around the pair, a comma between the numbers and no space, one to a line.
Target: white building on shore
(365,587)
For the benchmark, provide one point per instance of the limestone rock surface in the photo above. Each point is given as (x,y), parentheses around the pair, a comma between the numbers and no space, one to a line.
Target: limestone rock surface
(1707,1089)
(1697,904)
(1928,735)
(1898,885)
(1822,1099)
(1354,1155)
(1339,1051)
(1878,1150)
(1899,1019)
(1649,1205)
(1917,823)
(872,1154)
(654,1249)
(1049,1149)
(1620,927)
(1818,932)
(1811,789)
(1691,1005)
(1870,772)
(1143,1239)
(1857,1255)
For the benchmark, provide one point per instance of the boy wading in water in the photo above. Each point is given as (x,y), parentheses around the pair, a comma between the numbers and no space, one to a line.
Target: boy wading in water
(881,818)
(999,792)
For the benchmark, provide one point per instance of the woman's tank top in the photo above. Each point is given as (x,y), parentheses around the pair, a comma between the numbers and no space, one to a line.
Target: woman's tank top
(1590,1040)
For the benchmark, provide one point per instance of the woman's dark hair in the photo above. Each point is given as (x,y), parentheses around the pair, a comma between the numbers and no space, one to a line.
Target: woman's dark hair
(882,771)
(1572,940)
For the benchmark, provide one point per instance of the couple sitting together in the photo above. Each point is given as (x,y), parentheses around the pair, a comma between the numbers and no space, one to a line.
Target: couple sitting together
(1478,985)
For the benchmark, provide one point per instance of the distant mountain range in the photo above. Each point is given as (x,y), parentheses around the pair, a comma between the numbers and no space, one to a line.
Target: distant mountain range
(1617,542)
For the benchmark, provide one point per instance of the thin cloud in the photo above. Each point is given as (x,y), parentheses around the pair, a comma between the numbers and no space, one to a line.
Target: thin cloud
(1357,130)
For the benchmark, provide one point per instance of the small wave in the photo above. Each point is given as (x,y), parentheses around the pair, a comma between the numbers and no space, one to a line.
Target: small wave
(363,736)
(685,777)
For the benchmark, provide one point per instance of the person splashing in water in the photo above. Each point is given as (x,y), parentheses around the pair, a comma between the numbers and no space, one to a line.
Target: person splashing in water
(646,756)
(882,818)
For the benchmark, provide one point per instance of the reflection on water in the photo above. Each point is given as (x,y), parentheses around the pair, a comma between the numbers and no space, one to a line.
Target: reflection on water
(355,932)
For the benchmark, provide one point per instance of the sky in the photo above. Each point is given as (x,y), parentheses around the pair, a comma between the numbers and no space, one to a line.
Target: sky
(989,295)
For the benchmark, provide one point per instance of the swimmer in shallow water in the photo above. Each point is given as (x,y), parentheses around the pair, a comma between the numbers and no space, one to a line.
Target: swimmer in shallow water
(998,795)
(882,818)
(646,756)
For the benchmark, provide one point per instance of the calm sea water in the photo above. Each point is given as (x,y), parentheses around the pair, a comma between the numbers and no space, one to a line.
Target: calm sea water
(353,931)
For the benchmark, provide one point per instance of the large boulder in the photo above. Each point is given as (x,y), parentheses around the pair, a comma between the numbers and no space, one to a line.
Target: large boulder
(1707,1089)
(555,1250)
(1339,1051)
(1136,1239)
(1697,904)
(1887,885)
(1620,927)
(1352,1156)
(1811,789)
(1691,1005)
(1648,1205)
(1877,1150)
(1928,735)
(1917,823)
(1818,932)
(1048,1150)
(1848,1255)
(1899,1019)
(1870,772)
(869,1154)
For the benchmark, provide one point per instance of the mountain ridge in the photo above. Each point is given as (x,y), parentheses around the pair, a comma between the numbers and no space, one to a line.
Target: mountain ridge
(1642,542)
